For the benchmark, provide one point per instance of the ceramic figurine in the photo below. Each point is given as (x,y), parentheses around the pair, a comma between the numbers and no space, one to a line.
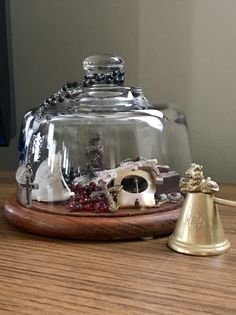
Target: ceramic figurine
(51,184)
(134,195)
(135,173)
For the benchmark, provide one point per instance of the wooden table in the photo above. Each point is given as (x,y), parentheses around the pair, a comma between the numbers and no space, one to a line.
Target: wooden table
(54,276)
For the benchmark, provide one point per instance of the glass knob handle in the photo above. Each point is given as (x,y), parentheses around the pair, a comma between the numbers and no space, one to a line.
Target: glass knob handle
(103,69)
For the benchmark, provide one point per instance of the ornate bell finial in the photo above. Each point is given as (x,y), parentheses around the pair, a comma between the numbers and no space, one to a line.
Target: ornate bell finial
(199,230)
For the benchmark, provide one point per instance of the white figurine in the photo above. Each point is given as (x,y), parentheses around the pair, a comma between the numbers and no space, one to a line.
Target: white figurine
(51,184)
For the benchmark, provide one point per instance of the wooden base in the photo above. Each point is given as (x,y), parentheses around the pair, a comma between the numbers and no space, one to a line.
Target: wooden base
(124,224)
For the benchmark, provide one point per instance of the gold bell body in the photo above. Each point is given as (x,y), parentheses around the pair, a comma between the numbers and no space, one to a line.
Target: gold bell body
(199,230)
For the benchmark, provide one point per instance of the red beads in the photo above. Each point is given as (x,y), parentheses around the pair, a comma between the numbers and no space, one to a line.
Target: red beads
(86,199)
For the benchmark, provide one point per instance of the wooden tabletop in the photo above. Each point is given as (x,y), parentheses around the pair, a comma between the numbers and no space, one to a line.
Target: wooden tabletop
(54,276)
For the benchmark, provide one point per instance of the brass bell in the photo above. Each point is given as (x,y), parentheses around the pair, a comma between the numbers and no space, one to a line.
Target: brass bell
(199,230)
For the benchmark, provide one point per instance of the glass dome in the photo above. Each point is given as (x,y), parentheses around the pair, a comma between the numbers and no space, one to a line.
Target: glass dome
(179,147)
(96,147)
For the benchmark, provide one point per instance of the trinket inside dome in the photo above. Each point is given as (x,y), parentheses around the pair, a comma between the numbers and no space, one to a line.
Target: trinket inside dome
(96,148)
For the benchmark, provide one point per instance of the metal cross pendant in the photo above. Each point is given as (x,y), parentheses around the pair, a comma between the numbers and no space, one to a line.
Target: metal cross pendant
(29,185)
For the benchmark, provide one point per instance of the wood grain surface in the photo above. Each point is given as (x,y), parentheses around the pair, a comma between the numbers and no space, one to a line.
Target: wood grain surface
(40,275)
(122,225)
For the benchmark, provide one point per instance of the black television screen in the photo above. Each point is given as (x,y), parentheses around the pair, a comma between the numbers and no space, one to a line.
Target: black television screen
(7,103)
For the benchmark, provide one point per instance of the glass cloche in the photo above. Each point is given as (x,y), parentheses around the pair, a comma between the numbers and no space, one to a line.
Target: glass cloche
(96,149)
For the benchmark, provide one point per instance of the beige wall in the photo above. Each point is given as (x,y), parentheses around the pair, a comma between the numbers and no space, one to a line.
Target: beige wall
(187,57)
(185,50)
(52,37)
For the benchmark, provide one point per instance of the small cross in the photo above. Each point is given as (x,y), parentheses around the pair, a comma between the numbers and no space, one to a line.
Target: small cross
(29,185)
(107,192)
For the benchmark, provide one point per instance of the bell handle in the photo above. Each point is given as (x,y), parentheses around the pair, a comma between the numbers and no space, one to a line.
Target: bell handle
(225,202)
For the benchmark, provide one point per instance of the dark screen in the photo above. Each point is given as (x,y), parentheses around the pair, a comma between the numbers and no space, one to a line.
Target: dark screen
(7,104)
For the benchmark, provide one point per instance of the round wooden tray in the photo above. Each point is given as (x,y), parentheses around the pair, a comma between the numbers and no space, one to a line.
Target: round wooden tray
(124,224)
